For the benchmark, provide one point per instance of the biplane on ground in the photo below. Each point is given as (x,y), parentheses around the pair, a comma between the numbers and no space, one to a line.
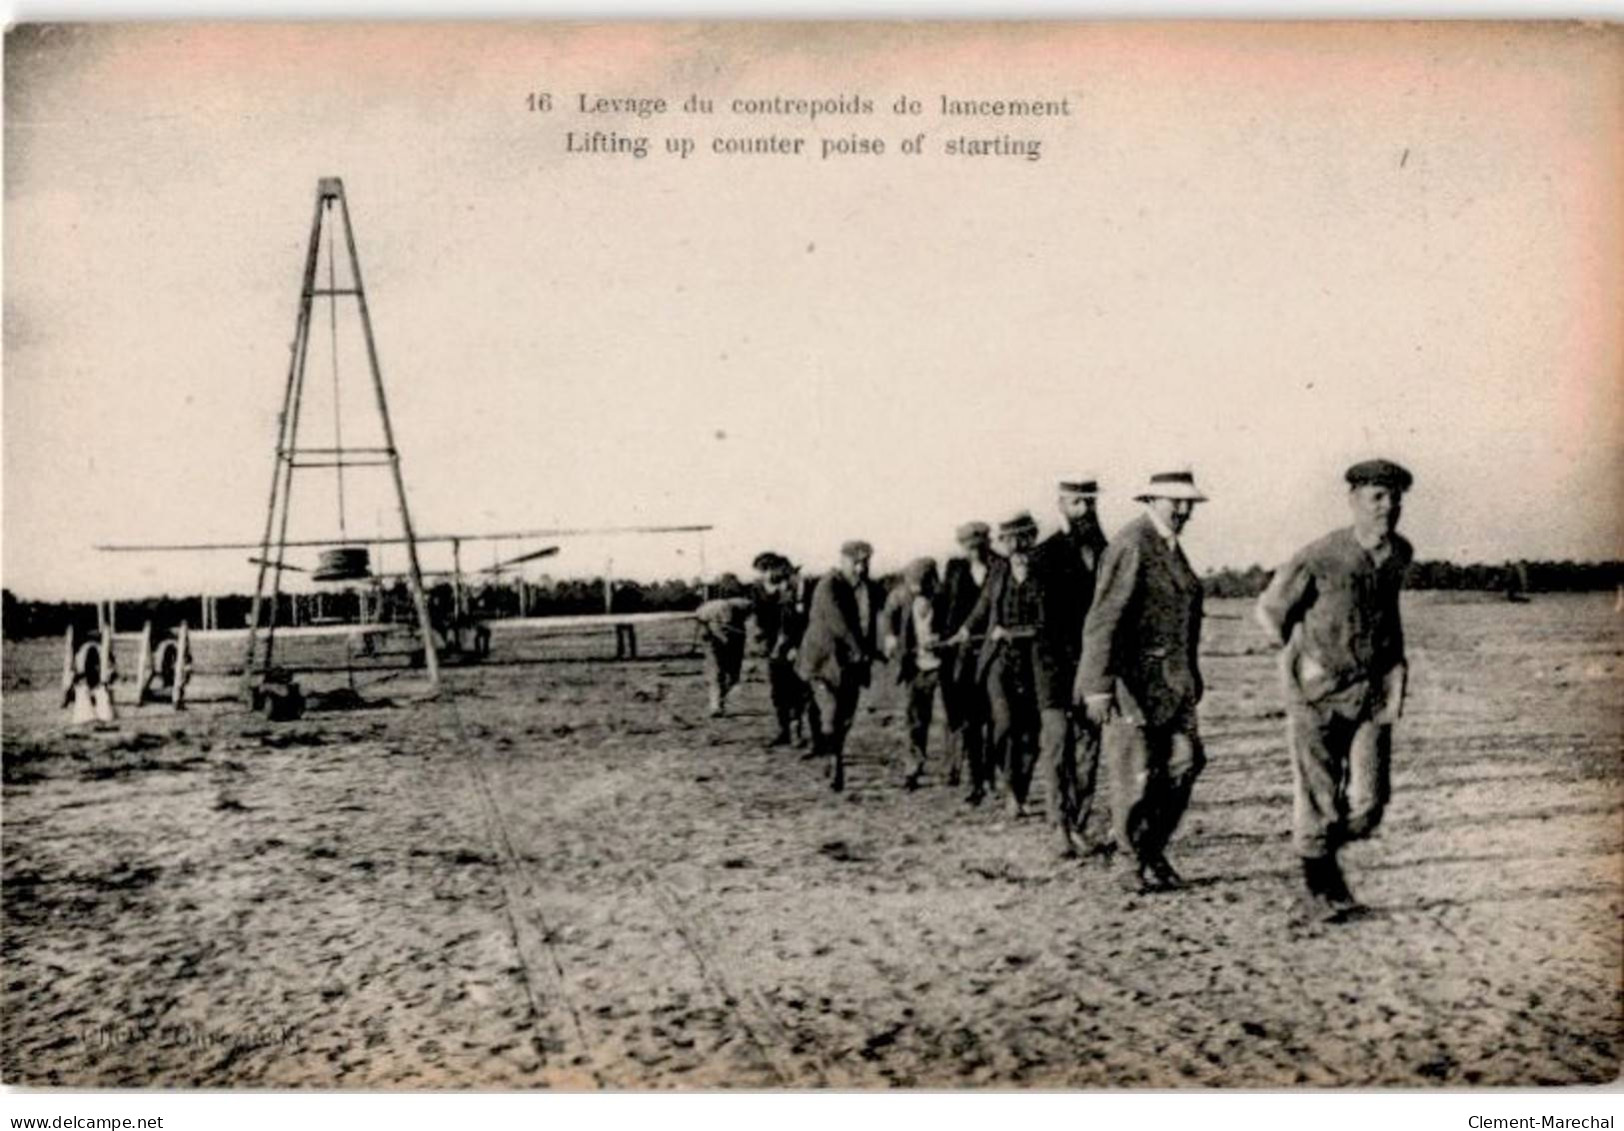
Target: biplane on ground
(381,608)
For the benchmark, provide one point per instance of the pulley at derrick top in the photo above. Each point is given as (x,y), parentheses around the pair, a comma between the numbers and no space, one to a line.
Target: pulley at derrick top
(347,563)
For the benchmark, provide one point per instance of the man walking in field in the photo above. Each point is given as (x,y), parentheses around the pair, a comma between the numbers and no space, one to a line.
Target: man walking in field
(1334,610)
(838,651)
(964,702)
(1006,618)
(721,621)
(911,639)
(1139,678)
(780,616)
(1067,563)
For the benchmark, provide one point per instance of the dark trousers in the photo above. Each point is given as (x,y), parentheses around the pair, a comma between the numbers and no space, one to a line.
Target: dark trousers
(964,703)
(834,709)
(921,695)
(1068,764)
(1057,766)
(1153,770)
(724,662)
(1091,821)
(1013,705)
(789,692)
(1340,766)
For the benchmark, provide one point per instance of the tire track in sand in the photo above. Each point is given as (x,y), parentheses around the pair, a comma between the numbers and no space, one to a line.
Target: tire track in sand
(532,936)
(541,962)
(748,1005)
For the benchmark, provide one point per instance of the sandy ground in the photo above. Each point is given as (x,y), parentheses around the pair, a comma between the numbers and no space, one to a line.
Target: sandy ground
(564,874)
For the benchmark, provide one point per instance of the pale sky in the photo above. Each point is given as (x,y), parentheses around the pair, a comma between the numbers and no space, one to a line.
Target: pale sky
(1263,252)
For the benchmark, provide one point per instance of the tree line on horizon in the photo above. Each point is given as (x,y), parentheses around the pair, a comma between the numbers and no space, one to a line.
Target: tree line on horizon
(23,619)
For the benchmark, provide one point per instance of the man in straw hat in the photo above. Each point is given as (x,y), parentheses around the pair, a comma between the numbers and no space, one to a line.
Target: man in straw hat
(1006,619)
(964,701)
(1334,610)
(1067,563)
(838,650)
(1139,678)
(912,640)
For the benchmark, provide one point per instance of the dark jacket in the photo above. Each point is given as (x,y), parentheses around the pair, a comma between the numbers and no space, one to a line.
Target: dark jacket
(1066,565)
(985,616)
(781,619)
(836,638)
(955,601)
(1144,627)
(1337,611)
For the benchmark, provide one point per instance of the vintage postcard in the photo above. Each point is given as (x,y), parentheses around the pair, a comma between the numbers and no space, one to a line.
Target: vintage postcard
(813,555)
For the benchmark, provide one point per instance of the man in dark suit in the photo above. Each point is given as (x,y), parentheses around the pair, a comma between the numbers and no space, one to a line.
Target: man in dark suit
(837,651)
(780,614)
(1068,760)
(1006,619)
(964,703)
(1139,678)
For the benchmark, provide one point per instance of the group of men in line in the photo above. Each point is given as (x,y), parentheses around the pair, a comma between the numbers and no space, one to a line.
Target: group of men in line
(1064,658)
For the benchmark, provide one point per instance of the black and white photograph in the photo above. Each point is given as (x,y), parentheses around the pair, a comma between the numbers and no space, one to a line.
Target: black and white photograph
(786,556)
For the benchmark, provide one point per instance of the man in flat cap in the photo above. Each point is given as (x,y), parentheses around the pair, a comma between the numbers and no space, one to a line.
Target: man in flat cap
(1334,610)
(964,701)
(838,650)
(912,640)
(1140,680)
(780,614)
(1067,563)
(1006,618)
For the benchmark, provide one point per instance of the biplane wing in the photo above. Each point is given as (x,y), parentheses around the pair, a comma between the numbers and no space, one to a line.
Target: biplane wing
(314,543)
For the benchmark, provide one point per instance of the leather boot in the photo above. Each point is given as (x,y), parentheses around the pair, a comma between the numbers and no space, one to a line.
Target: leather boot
(1317,901)
(1336,886)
